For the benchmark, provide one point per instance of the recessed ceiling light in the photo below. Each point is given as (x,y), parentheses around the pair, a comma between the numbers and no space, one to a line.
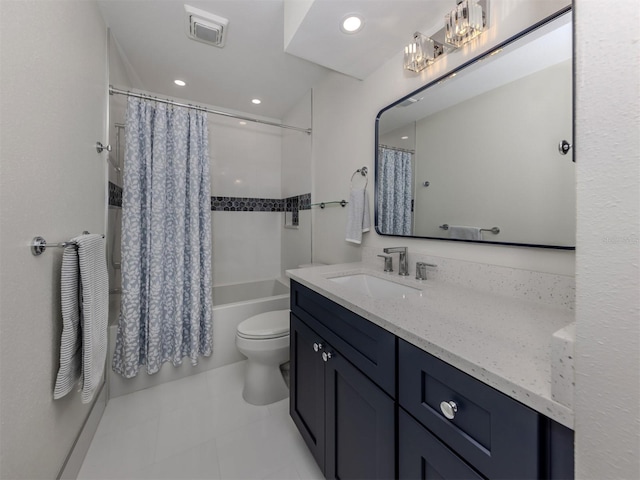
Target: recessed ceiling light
(404,137)
(352,23)
(180,83)
(242,122)
(256,101)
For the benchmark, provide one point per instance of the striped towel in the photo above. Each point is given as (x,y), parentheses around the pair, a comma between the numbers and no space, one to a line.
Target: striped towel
(95,310)
(85,301)
(71,341)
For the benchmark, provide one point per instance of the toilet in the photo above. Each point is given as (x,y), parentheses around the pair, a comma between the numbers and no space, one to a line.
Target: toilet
(264,340)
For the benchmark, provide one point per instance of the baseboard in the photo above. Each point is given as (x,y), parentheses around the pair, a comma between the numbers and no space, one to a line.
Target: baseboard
(73,463)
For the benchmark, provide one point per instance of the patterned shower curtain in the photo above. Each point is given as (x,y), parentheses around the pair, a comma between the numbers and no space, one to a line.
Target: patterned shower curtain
(394,191)
(166,308)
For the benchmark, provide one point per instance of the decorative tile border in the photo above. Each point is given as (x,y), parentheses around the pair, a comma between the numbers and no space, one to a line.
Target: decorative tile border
(305,201)
(115,195)
(239,204)
(246,204)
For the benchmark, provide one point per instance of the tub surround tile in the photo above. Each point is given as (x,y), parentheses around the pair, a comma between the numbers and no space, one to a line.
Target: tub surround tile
(501,340)
(539,287)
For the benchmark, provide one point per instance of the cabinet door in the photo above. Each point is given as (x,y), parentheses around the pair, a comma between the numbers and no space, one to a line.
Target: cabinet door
(306,404)
(423,456)
(360,424)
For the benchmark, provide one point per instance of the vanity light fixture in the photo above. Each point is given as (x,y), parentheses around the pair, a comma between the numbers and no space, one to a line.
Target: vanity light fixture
(421,52)
(352,23)
(465,22)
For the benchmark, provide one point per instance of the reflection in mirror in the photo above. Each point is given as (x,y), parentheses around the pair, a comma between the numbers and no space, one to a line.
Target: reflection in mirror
(475,156)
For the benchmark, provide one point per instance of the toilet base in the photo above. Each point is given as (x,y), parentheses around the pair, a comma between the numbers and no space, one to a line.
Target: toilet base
(263,384)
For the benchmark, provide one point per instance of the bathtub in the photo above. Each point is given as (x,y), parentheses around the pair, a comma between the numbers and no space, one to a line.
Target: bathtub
(232,304)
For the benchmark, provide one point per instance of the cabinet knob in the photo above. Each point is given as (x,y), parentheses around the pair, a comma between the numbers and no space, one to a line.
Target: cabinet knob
(326,356)
(449,409)
(317,347)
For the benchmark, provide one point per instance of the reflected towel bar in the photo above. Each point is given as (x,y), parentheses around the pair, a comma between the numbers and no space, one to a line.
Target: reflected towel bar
(39,244)
(494,230)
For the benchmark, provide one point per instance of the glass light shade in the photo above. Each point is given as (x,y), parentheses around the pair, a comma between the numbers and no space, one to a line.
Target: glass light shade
(464,23)
(420,53)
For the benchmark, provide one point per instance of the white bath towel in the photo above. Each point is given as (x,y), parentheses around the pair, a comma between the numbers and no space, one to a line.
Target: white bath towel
(95,308)
(70,368)
(462,232)
(358,216)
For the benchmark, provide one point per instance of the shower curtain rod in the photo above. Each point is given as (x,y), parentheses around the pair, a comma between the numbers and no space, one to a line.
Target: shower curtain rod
(117,91)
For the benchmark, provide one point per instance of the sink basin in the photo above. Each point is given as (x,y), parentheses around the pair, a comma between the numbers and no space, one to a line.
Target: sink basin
(375,286)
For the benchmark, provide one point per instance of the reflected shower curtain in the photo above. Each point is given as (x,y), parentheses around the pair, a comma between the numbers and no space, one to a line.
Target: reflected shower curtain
(166,309)
(394,191)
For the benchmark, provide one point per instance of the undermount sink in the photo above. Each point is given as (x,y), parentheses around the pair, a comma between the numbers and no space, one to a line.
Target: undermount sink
(375,286)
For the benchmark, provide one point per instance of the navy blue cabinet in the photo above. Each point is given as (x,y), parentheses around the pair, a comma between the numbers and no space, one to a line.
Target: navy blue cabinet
(360,424)
(346,420)
(342,370)
(422,456)
(445,424)
(306,383)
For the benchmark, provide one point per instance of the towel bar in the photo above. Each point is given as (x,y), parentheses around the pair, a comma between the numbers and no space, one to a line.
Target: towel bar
(39,244)
(324,204)
(494,230)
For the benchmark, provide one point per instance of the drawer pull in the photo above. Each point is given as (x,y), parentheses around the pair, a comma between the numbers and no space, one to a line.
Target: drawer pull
(449,409)
(326,356)
(317,347)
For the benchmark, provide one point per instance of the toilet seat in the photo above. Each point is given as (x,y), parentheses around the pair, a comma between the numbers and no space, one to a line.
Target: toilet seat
(265,326)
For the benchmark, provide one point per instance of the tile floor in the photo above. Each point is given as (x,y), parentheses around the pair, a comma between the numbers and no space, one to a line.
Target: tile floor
(197,427)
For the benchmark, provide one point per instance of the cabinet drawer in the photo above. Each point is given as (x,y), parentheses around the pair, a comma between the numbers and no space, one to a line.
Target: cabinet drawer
(423,456)
(496,434)
(367,346)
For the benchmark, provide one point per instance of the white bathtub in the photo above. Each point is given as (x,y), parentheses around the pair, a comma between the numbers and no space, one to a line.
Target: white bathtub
(232,304)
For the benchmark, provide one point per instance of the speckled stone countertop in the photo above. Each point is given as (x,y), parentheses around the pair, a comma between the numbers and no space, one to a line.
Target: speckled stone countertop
(502,341)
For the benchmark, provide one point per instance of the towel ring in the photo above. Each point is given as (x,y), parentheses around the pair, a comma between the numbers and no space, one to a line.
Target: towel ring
(362,171)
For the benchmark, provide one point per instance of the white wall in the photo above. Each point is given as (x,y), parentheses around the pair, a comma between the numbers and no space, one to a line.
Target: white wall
(245,162)
(607,397)
(296,180)
(343,121)
(53,107)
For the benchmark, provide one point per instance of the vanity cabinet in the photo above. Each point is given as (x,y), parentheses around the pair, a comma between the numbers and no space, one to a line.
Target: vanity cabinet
(344,416)
(499,436)
(371,405)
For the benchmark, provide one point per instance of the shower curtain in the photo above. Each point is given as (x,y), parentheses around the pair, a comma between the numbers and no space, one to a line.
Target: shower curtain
(166,308)
(394,191)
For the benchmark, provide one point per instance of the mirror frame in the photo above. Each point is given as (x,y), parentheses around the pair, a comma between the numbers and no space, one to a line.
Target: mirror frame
(464,65)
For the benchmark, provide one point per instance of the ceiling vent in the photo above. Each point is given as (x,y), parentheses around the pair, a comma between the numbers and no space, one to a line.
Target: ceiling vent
(205,27)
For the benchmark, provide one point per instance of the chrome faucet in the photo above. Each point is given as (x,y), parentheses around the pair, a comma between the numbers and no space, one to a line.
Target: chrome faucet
(403,269)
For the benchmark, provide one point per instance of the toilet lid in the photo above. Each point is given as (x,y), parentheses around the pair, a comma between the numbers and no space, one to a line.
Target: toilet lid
(265,325)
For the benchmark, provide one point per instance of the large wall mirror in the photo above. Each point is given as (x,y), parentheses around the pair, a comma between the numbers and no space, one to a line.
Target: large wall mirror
(476,155)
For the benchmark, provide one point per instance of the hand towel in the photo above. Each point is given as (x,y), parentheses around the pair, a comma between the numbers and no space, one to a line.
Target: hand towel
(70,368)
(94,288)
(358,216)
(461,232)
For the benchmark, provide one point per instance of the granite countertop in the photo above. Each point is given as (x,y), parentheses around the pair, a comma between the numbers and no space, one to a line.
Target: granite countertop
(502,341)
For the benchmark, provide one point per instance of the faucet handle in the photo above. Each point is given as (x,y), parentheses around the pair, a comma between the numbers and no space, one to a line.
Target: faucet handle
(421,270)
(388,262)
